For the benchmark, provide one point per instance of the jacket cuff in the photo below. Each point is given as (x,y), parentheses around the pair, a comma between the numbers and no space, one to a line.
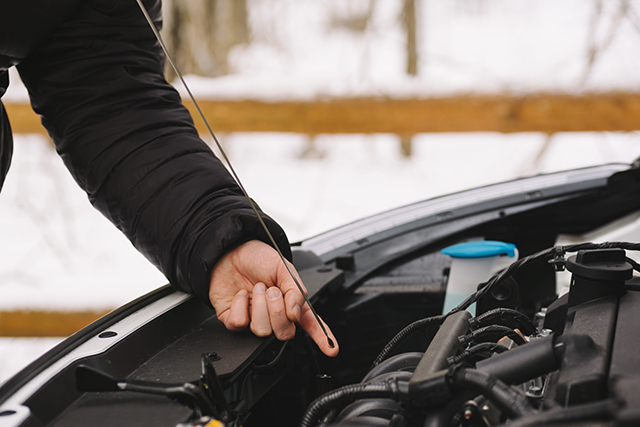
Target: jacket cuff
(193,272)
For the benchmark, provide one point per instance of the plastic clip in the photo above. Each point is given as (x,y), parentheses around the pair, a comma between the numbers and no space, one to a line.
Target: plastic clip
(558,260)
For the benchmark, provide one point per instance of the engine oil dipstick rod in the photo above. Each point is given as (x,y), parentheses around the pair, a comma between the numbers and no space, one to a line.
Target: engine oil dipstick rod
(233,171)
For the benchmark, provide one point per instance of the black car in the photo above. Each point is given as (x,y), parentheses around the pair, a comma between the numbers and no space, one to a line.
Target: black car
(524,357)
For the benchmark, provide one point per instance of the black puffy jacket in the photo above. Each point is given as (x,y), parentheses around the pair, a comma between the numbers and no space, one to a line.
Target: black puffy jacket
(94,72)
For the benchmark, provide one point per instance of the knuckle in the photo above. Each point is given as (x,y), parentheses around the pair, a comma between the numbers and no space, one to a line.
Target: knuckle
(277,308)
(261,331)
(235,324)
(287,334)
(278,311)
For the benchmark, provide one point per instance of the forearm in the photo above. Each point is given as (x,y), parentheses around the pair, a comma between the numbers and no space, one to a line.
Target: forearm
(131,145)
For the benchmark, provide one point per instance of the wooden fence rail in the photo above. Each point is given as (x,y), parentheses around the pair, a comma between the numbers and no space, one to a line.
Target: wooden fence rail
(44,323)
(547,113)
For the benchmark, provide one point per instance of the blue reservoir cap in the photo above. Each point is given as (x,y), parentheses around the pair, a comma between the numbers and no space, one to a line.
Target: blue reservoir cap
(480,249)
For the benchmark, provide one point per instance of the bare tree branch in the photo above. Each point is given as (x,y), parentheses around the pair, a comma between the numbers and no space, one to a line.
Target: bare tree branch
(596,50)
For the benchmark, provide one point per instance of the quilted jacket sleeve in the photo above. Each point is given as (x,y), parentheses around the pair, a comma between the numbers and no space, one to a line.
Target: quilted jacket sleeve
(98,84)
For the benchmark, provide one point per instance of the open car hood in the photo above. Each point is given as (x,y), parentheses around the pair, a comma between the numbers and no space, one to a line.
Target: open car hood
(165,359)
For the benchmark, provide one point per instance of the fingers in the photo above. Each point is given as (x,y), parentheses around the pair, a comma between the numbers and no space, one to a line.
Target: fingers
(293,298)
(260,324)
(293,301)
(304,316)
(283,328)
(310,324)
(276,301)
(237,317)
(268,314)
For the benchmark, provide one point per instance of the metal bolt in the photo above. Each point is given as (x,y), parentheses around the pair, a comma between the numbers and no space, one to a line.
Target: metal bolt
(213,356)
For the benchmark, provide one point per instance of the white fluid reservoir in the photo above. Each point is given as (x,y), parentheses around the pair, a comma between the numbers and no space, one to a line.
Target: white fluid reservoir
(474,263)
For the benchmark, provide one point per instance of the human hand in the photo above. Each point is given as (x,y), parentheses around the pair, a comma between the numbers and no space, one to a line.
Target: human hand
(250,286)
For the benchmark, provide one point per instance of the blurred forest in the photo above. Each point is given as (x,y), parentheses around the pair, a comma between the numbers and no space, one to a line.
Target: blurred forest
(405,67)
(530,53)
(203,32)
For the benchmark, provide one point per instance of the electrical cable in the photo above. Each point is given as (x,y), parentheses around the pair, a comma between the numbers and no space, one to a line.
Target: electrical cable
(486,347)
(634,263)
(554,254)
(504,314)
(491,332)
(400,337)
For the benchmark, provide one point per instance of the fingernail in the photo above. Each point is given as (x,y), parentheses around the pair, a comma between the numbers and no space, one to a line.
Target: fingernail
(273,293)
(242,293)
(297,312)
(260,288)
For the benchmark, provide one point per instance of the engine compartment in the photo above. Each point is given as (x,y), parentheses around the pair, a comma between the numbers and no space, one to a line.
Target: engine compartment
(527,357)
(572,363)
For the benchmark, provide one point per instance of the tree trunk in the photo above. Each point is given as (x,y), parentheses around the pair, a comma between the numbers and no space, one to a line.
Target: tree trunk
(412,42)
(200,34)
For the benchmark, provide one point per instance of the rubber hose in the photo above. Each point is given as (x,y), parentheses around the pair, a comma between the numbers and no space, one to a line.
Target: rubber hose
(347,394)
(491,347)
(400,362)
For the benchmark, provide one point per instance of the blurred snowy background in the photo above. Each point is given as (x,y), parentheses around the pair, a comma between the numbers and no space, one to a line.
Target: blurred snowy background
(60,254)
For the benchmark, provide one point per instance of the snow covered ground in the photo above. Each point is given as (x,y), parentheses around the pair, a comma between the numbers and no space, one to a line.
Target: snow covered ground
(59,253)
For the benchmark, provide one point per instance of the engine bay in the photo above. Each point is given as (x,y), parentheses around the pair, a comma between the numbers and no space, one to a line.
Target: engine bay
(552,339)
(570,363)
